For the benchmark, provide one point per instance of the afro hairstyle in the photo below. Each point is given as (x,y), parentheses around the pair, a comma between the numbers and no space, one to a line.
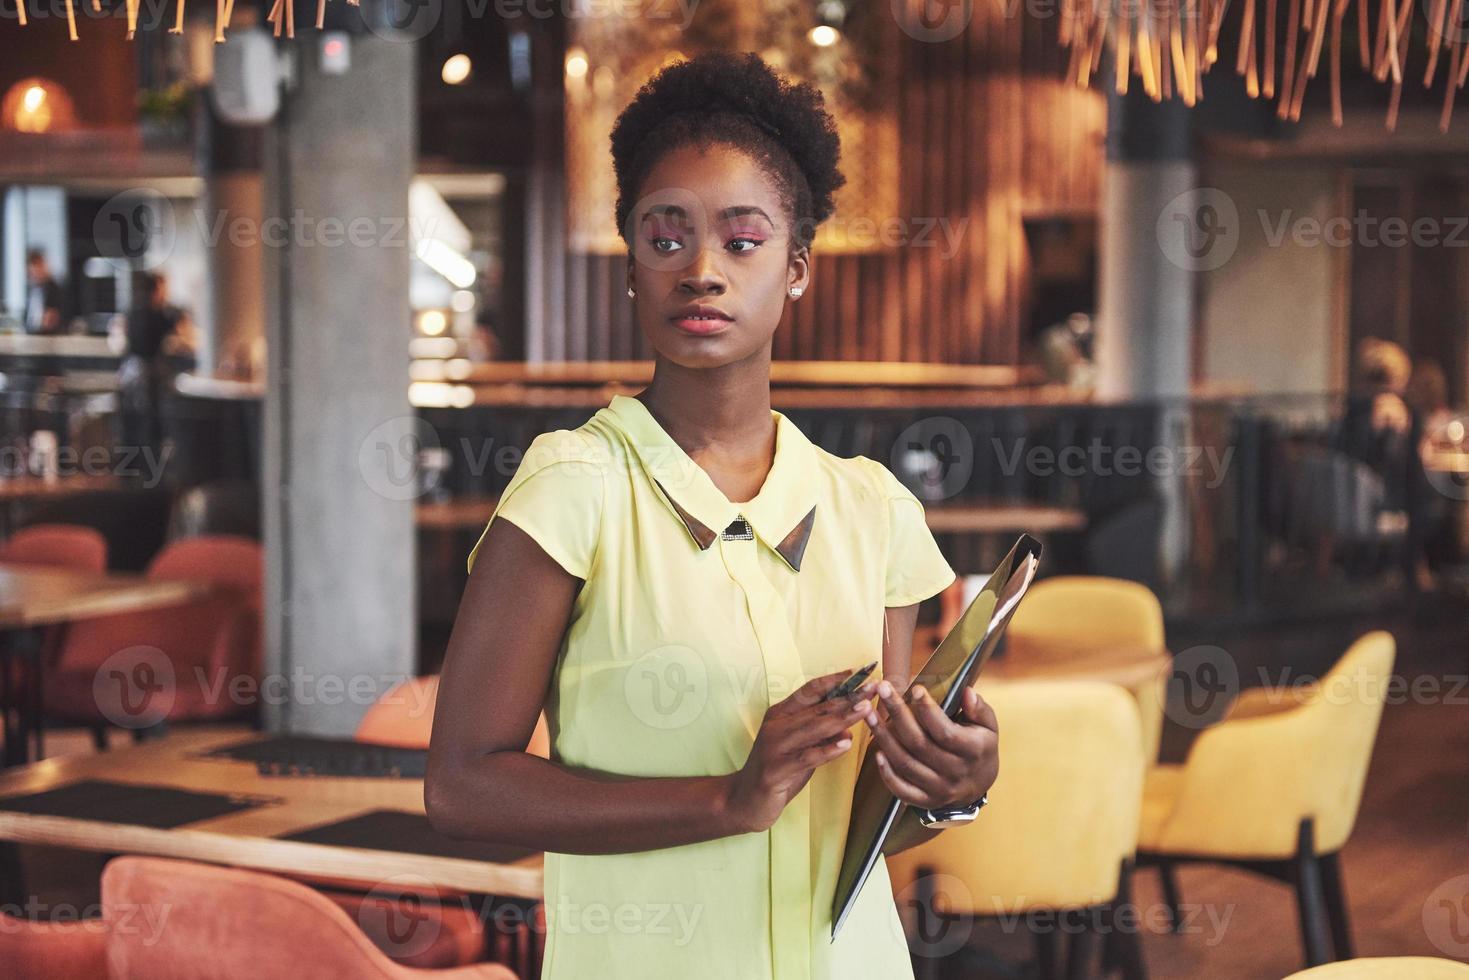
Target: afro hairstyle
(739,101)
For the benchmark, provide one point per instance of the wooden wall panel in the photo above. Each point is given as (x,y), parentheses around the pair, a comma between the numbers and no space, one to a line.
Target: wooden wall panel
(990,134)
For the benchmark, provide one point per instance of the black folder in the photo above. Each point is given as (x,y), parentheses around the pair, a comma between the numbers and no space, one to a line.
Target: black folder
(954,665)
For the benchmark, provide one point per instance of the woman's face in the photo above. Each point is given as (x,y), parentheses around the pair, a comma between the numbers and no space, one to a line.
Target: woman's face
(709,231)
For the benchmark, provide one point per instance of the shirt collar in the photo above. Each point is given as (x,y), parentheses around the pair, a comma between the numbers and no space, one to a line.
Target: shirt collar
(782,514)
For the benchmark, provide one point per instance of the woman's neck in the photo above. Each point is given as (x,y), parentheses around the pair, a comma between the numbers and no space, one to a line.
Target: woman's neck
(720,417)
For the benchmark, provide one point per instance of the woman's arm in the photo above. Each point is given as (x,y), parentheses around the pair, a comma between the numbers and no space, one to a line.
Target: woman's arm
(482,784)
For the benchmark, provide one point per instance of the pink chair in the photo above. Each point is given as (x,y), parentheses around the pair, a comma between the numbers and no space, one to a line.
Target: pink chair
(404,717)
(53,950)
(203,646)
(57,546)
(67,546)
(231,924)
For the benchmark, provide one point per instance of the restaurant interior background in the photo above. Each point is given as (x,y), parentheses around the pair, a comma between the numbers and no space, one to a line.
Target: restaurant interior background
(1212,348)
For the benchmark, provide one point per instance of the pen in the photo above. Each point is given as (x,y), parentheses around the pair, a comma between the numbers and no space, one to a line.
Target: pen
(846,687)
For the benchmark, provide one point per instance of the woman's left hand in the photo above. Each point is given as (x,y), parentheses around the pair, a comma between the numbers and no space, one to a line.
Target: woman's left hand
(928,760)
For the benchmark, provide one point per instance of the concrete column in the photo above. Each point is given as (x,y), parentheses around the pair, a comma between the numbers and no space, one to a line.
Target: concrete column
(341,603)
(1147,282)
(1147,291)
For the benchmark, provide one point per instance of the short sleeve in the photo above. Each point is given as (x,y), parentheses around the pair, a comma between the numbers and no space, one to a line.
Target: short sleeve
(556,497)
(916,569)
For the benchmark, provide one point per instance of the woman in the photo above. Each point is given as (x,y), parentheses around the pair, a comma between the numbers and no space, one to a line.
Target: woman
(681,578)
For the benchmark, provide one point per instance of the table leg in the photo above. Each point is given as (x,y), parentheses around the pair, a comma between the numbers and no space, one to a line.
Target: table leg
(38,710)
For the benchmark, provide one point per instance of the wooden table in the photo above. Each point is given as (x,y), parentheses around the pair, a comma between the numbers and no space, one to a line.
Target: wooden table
(1125,668)
(247,839)
(956,517)
(16,488)
(20,489)
(32,596)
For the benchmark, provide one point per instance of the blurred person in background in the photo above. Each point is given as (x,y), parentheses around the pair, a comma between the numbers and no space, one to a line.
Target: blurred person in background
(1427,396)
(43,296)
(155,330)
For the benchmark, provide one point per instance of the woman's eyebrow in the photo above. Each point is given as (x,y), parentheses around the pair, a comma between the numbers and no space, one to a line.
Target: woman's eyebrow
(739,210)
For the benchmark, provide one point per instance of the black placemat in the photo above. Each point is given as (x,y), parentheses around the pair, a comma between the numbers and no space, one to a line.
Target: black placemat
(159,807)
(406,833)
(305,755)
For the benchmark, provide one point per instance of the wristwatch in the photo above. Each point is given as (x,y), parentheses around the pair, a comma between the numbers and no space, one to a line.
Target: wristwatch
(951,816)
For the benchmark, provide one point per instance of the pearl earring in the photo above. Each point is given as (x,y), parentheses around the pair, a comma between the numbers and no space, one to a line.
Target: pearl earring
(631,292)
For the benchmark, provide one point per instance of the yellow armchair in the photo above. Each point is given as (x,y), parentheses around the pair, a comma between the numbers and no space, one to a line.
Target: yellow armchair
(1275,788)
(1388,968)
(1095,627)
(1071,614)
(1058,835)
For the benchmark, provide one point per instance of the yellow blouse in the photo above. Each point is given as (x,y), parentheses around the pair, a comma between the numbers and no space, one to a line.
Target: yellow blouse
(696,615)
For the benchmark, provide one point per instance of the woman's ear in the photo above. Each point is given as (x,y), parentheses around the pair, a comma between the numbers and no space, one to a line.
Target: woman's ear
(799,277)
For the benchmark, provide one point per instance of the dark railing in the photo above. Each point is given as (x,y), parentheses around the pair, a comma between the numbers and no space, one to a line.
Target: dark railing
(1234,508)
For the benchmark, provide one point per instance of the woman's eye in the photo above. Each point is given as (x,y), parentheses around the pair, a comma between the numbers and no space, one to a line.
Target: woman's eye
(754,243)
(659,241)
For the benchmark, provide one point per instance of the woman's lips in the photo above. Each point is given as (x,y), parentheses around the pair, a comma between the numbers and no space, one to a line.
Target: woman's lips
(700,327)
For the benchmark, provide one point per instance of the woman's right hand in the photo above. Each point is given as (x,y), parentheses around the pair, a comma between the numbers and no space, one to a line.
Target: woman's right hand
(797,735)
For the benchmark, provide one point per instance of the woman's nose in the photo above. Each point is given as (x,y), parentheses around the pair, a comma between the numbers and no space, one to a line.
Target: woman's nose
(702,274)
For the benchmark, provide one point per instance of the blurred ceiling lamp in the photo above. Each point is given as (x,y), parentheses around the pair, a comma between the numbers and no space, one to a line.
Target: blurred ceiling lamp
(576,63)
(37,105)
(282,13)
(432,323)
(830,15)
(456,69)
(1170,45)
(824,36)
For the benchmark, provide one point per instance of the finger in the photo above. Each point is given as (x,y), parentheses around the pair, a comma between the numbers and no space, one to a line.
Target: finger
(900,717)
(794,734)
(944,734)
(913,769)
(978,711)
(902,788)
(812,691)
(818,755)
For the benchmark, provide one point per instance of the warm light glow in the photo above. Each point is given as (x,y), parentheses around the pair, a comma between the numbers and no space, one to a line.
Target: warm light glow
(432,323)
(447,262)
(431,394)
(576,63)
(463,301)
(456,69)
(437,348)
(37,105)
(823,36)
(1455,431)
